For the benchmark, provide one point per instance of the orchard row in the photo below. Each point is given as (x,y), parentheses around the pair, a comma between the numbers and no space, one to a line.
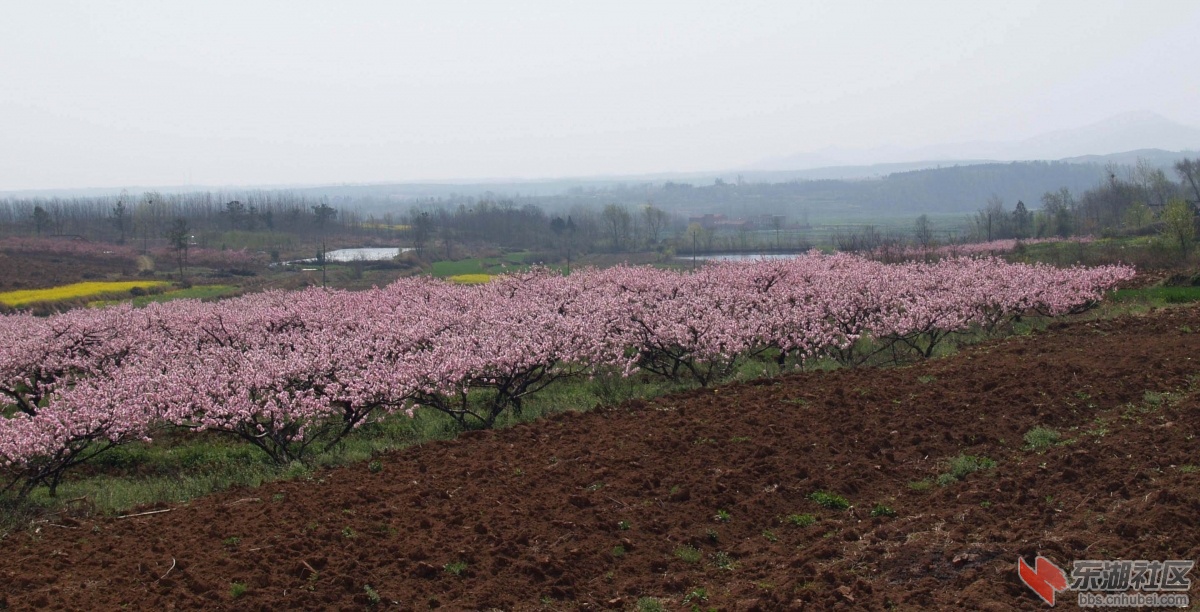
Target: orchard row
(295,371)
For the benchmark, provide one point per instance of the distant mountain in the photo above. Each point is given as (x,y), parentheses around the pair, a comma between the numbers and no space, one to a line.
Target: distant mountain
(1121,139)
(1127,132)
(1155,157)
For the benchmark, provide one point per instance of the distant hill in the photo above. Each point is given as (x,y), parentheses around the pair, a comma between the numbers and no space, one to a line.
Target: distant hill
(1155,157)
(1131,132)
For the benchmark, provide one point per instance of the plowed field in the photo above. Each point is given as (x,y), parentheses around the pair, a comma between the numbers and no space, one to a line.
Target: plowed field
(688,497)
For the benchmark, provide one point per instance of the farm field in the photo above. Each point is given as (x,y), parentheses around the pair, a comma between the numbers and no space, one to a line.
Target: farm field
(74,291)
(705,498)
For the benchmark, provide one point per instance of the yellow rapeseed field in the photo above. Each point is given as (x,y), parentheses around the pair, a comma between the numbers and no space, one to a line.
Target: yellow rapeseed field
(471,279)
(70,292)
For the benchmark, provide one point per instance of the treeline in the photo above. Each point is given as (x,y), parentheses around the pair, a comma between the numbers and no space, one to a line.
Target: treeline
(438,229)
(1128,201)
(147,217)
(1023,199)
(956,189)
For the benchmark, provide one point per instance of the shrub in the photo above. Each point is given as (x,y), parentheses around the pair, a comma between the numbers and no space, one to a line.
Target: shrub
(1040,438)
(963,466)
(802,520)
(688,554)
(830,500)
(882,510)
(650,604)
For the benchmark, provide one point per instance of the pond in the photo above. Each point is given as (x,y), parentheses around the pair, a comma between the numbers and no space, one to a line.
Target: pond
(359,254)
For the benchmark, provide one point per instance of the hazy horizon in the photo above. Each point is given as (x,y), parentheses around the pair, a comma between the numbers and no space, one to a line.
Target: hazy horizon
(109,94)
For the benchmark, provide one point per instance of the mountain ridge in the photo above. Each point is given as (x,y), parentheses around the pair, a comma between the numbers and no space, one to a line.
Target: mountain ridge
(1126,132)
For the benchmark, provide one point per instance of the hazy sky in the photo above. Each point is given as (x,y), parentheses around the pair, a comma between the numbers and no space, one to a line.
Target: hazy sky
(97,94)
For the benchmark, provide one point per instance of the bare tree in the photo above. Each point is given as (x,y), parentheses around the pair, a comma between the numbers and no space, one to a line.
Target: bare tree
(618,224)
(422,229)
(777,225)
(1156,189)
(655,221)
(1189,172)
(565,232)
(923,232)
(991,222)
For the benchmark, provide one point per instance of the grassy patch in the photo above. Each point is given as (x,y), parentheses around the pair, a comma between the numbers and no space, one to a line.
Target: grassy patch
(920,486)
(722,560)
(650,604)
(963,466)
(479,265)
(883,510)
(688,554)
(828,500)
(1158,296)
(199,292)
(801,520)
(1039,439)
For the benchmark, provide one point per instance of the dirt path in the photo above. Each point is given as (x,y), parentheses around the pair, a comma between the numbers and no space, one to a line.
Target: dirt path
(592,511)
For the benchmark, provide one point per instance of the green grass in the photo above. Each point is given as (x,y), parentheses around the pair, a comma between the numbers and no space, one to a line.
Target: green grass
(722,560)
(237,589)
(479,265)
(881,510)
(1158,296)
(199,292)
(964,465)
(1040,439)
(650,604)
(802,520)
(920,486)
(828,500)
(688,554)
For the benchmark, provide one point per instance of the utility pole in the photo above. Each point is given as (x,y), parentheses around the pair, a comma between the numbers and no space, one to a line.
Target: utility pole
(694,251)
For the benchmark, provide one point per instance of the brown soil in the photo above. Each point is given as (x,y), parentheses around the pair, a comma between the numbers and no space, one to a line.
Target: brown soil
(24,270)
(535,511)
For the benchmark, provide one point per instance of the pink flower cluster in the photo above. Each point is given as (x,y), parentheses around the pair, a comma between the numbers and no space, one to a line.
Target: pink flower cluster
(288,370)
